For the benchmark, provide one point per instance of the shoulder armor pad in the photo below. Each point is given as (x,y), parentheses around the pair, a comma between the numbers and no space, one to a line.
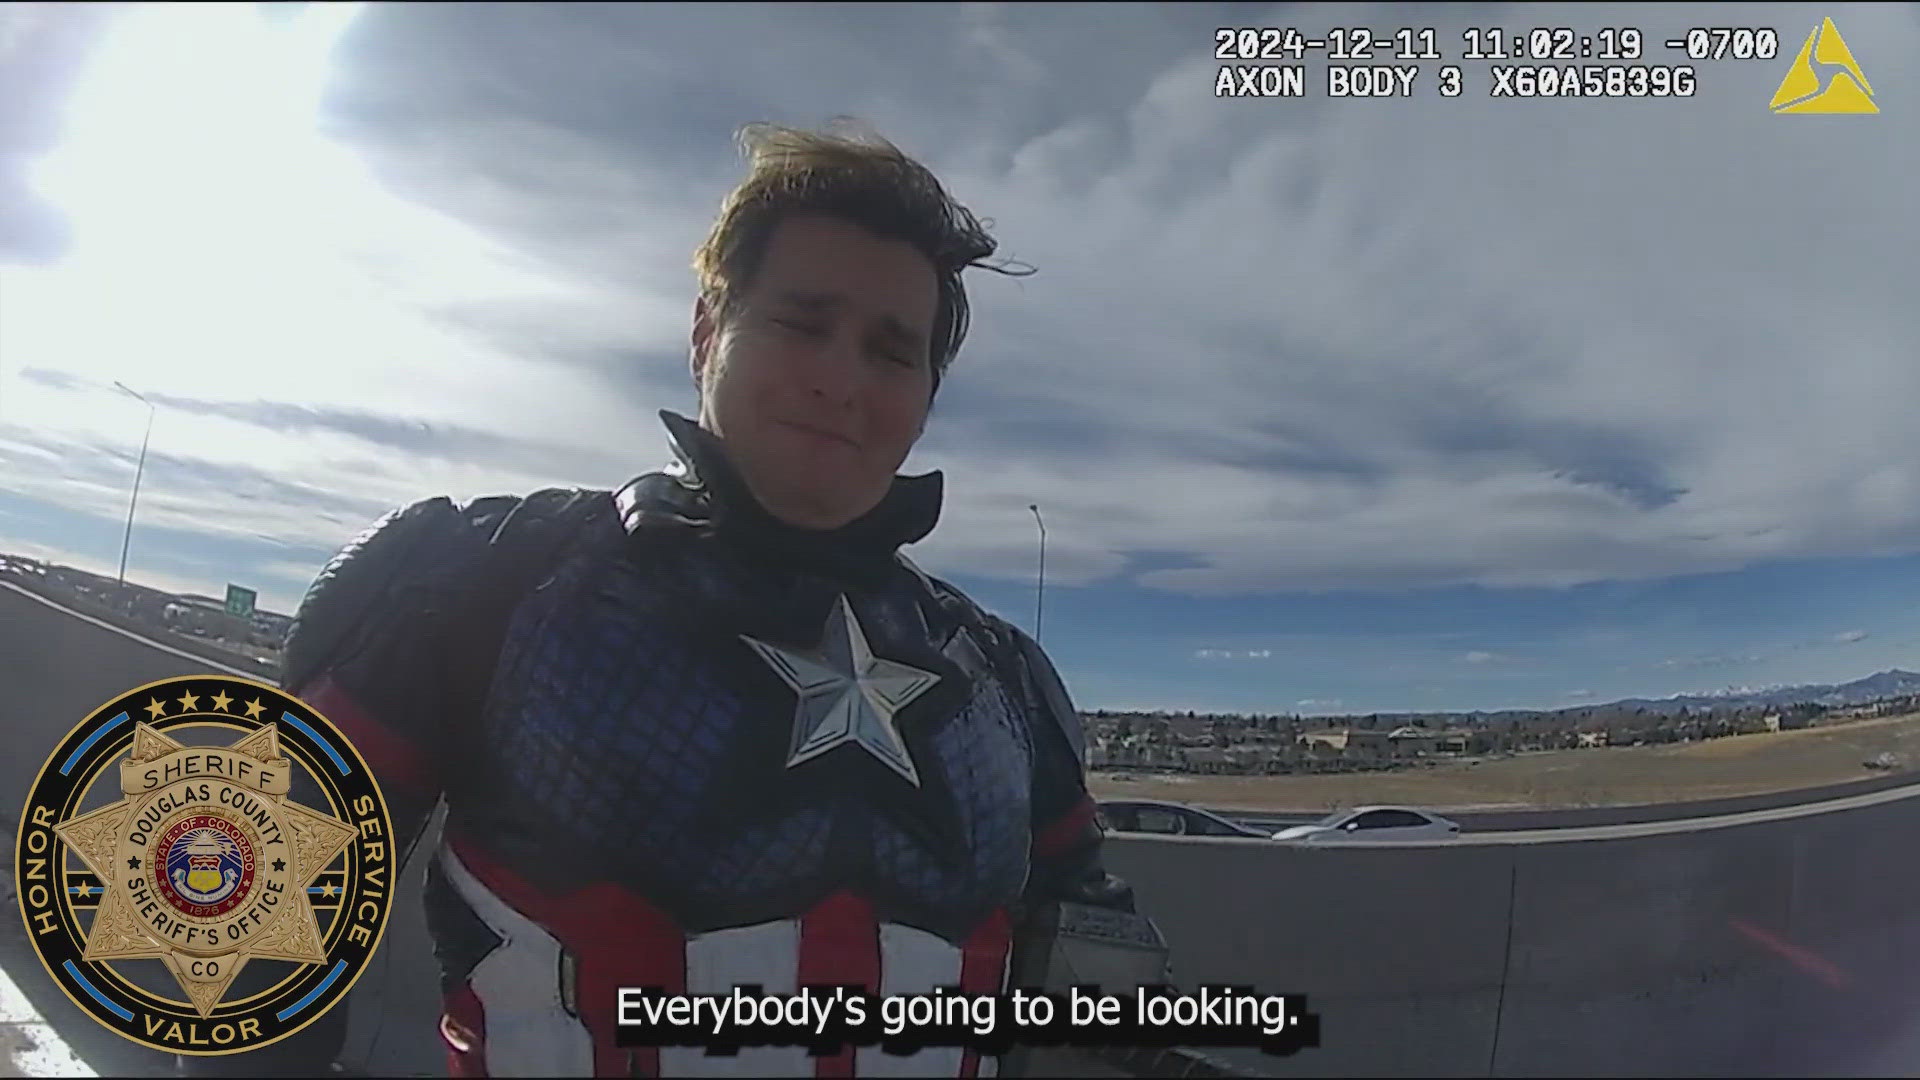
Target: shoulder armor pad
(1043,680)
(962,606)
(525,547)
(420,545)
(555,506)
(660,499)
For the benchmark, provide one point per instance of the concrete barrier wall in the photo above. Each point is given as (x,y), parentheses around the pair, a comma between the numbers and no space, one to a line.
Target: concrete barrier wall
(1787,947)
(94,609)
(1781,948)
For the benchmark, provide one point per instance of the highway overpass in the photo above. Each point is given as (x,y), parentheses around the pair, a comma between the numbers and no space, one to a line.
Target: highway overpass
(1777,941)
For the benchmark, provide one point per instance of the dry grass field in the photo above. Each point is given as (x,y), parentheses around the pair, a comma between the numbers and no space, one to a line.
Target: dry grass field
(1612,776)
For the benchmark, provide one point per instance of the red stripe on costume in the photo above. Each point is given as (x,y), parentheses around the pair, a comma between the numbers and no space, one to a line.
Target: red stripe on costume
(394,759)
(616,939)
(1067,832)
(983,964)
(839,944)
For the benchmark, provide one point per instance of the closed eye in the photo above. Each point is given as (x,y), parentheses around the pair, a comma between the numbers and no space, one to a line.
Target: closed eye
(800,327)
(894,354)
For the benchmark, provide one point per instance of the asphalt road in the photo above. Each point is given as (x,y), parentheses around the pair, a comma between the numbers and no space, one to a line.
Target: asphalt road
(1479,821)
(52,673)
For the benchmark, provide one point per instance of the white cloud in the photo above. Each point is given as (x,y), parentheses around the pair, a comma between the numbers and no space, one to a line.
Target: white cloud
(1233,654)
(1710,660)
(1533,343)
(1851,636)
(1299,345)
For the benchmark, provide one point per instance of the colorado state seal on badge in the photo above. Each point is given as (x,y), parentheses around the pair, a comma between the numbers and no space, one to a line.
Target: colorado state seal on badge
(175,836)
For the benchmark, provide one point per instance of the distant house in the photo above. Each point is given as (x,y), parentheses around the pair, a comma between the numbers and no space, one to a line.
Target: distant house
(1334,739)
(1410,741)
(1097,753)
(1591,739)
(1349,742)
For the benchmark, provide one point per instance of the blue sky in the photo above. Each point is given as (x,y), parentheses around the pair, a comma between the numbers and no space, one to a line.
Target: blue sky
(1329,405)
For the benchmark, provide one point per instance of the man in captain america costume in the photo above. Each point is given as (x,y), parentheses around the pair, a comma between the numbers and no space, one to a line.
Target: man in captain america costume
(713,728)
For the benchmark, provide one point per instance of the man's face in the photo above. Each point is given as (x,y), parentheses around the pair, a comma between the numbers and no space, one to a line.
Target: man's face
(818,381)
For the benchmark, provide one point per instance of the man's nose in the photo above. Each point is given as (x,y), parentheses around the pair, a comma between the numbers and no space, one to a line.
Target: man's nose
(836,372)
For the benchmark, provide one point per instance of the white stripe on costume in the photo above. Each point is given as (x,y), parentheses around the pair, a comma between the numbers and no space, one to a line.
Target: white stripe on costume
(913,961)
(529,1032)
(767,955)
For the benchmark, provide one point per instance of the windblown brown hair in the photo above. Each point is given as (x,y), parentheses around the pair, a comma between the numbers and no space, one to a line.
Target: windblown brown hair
(864,179)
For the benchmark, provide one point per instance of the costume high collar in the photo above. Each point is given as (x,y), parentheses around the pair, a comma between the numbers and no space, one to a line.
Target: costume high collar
(702,487)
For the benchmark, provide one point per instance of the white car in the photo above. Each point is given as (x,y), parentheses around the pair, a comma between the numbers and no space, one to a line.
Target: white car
(1373,824)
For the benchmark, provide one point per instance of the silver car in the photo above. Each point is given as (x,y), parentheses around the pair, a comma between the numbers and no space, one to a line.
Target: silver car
(1169,819)
(1372,824)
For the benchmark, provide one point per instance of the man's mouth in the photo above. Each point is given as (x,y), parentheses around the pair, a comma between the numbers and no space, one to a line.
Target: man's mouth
(821,433)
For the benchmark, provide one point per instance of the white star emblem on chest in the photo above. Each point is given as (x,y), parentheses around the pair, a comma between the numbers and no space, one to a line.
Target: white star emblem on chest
(847,694)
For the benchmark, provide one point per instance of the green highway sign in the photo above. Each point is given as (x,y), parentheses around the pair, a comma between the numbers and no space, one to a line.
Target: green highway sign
(240,601)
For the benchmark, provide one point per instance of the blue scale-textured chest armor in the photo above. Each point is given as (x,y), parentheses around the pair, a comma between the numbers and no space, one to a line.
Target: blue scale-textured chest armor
(632,735)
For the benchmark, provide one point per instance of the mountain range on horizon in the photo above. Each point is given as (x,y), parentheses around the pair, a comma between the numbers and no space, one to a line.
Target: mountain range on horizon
(1892,683)
(1881,685)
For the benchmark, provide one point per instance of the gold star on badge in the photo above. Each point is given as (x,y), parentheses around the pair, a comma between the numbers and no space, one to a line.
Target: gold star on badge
(168,812)
(156,710)
(221,701)
(329,889)
(189,702)
(253,709)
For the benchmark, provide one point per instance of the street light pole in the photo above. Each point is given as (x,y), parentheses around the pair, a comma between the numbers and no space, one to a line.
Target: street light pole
(1040,588)
(127,538)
